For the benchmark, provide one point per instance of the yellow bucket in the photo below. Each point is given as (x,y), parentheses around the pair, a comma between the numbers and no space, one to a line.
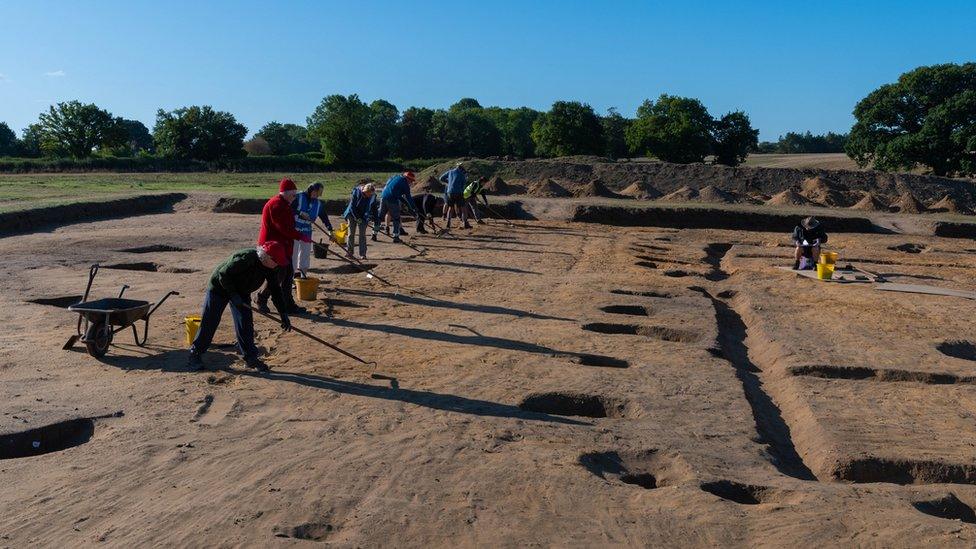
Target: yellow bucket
(828,257)
(192,326)
(340,234)
(825,271)
(306,288)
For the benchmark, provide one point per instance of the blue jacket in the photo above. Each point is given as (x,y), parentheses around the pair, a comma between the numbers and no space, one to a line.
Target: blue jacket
(312,208)
(397,189)
(455,180)
(360,206)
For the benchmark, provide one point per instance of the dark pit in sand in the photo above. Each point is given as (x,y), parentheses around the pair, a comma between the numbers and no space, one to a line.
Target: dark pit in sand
(634,310)
(658,332)
(948,507)
(600,361)
(957,348)
(153,248)
(574,404)
(62,302)
(641,293)
(137,266)
(49,438)
(743,494)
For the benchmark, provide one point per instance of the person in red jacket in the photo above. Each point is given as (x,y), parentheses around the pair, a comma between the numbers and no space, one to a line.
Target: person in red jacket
(278,224)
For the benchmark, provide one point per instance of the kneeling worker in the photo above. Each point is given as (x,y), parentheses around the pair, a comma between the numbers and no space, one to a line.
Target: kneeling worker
(233,281)
(808,236)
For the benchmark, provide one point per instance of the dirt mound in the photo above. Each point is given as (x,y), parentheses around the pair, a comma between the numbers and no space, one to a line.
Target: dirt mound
(594,188)
(431,185)
(496,185)
(823,191)
(949,204)
(712,193)
(23,221)
(907,203)
(683,194)
(641,191)
(789,197)
(870,203)
(549,189)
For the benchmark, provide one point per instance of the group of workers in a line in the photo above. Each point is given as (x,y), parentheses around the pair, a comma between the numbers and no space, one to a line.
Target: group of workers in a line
(284,249)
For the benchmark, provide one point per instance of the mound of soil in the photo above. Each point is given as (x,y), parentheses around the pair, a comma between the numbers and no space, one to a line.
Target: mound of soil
(497,185)
(949,204)
(641,191)
(431,185)
(712,193)
(684,194)
(789,197)
(907,203)
(823,191)
(594,188)
(549,189)
(870,203)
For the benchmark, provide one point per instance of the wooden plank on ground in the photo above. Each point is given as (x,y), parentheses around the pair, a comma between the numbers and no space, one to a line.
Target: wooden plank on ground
(925,289)
(841,276)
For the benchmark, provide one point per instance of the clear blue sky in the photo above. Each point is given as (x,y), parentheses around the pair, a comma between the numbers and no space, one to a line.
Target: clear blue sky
(791,65)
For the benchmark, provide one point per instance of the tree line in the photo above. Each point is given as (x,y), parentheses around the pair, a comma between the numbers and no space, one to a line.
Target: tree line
(344,129)
(926,118)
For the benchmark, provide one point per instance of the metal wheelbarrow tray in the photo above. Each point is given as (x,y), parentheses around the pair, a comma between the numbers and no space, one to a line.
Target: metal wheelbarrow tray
(103,318)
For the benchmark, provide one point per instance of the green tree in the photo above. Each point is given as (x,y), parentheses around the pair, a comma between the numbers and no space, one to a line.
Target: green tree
(615,134)
(464,104)
(199,133)
(673,129)
(384,131)
(341,125)
(138,137)
(569,128)
(927,117)
(77,129)
(30,141)
(415,133)
(257,146)
(285,139)
(515,127)
(9,145)
(733,137)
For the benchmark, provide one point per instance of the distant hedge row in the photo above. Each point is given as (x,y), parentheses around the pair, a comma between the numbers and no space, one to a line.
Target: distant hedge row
(147,163)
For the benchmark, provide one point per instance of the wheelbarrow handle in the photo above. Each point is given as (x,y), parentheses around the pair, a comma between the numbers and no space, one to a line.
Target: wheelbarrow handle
(91,278)
(160,302)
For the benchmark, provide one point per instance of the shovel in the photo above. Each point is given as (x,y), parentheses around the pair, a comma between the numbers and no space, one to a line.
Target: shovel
(74,339)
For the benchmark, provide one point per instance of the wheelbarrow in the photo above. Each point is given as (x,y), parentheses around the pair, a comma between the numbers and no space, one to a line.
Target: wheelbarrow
(103,318)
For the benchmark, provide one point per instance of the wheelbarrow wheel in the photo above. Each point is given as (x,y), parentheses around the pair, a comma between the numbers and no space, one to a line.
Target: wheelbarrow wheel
(98,338)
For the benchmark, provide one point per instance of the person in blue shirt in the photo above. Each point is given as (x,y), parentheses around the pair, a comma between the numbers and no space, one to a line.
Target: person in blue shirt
(455,180)
(358,213)
(308,208)
(396,194)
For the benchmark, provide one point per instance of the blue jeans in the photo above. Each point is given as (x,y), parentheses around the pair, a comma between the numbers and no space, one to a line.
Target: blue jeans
(392,206)
(213,308)
(351,237)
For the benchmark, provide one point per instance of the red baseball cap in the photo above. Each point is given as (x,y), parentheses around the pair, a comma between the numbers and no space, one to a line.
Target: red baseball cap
(286,185)
(410,176)
(276,251)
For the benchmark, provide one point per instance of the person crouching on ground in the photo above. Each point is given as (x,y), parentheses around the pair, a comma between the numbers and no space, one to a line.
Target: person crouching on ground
(361,208)
(455,180)
(278,225)
(471,193)
(397,194)
(424,204)
(232,282)
(808,236)
(308,209)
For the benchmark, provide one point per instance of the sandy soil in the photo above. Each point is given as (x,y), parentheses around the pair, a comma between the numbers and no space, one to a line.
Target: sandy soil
(568,384)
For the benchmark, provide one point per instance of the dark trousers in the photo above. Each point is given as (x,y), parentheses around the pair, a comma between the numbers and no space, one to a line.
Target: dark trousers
(285,275)
(213,308)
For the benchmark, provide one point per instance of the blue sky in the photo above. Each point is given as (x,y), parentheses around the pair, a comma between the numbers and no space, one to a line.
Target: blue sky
(790,65)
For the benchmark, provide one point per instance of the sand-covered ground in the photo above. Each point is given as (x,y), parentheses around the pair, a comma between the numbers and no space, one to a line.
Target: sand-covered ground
(562,384)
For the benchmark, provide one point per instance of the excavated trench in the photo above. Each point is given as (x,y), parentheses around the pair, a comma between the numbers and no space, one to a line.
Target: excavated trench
(947,507)
(743,494)
(657,332)
(154,248)
(878,374)
(633,310)
(642,293)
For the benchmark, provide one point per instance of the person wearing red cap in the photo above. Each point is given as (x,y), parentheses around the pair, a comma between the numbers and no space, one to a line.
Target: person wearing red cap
(278,224)
(232,282)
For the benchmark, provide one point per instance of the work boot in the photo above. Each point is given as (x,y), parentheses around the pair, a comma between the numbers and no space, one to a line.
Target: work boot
(374,237)
(195,362)
(295,309)
(796,265)
(421,230)
(263,305)
(256,363)
(403,232)
(396,240)
(480,221)
(468,226)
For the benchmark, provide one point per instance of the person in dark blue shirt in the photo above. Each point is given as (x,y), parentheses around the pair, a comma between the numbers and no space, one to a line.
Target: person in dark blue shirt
(360,209)
(455,180)
(394,195)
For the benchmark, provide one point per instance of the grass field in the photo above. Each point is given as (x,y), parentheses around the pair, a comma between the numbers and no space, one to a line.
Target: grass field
(22,191)
(825,161)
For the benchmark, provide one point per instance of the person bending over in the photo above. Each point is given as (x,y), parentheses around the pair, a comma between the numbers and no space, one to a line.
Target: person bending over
(471,192)
(455,180)
(424,204)
(395,194)
(232,282)
(308,208)
(808,237)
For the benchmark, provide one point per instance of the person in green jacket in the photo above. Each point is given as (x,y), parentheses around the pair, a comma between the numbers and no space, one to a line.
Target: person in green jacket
(233,282)
(471,192)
